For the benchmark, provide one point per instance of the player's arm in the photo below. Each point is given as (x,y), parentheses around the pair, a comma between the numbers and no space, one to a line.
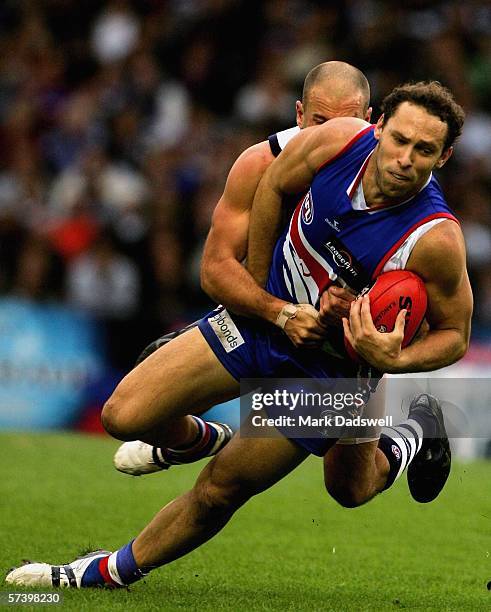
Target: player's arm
(223,277)
(439,259)
(291,172)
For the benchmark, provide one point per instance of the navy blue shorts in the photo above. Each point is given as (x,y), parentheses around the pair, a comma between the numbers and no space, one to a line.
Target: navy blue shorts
(248,348)
(254,349)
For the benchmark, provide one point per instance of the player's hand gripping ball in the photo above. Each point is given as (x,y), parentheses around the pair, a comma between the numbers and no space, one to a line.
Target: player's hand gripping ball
(392,292)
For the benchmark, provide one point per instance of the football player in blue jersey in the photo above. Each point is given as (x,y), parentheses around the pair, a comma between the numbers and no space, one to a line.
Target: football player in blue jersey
(414,137)
(392,178)
(331,89)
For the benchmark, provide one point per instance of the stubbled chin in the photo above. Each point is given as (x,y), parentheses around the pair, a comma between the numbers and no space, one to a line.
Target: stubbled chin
(396,191)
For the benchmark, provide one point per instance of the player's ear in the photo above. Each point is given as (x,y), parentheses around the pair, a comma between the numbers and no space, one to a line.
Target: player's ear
(368,114)
(300,113)
(445,156)
(379,126)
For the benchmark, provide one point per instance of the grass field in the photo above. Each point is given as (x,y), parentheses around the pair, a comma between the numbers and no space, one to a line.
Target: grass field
(291,548)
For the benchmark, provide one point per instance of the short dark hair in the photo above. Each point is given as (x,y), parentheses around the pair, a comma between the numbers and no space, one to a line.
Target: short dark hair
(435,98)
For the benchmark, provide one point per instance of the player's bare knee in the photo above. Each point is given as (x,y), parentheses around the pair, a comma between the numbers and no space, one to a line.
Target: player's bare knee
(115,423)
(214,499)
(216,494)
(347,494)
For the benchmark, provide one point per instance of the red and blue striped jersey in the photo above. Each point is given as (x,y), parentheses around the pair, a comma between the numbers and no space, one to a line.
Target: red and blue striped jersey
(334,237)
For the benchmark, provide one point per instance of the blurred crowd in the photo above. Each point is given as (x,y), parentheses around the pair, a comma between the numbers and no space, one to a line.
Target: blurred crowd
(119,122)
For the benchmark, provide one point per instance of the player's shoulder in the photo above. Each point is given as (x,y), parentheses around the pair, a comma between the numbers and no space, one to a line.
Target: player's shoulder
(247,171)
(255,158)
(338,131)
(444,235)
(440,252)
(324,142)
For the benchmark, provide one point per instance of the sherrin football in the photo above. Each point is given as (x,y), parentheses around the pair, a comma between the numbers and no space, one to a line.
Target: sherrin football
(391,293)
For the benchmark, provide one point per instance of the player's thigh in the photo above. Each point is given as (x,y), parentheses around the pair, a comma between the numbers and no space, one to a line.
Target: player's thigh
(180,377)
(249,465)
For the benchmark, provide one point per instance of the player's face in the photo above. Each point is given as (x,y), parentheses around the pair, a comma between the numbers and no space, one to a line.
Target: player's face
(410,147)
(320,106)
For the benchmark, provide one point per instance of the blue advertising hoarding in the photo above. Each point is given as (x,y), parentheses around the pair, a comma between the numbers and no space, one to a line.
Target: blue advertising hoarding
(49,355)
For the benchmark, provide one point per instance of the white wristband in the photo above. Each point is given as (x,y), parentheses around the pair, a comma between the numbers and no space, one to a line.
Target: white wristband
(289,311)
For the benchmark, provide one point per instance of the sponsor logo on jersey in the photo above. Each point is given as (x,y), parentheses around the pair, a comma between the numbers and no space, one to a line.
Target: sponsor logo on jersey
(226,330)
(334,223)
(349,269)
(307,209)
(342,258)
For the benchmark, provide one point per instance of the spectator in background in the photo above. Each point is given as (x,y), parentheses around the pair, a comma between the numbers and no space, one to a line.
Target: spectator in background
(106,284)
(115,33)
(40,272)
(267,100)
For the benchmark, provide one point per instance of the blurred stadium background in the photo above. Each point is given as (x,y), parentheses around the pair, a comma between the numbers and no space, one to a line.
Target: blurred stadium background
(119,121)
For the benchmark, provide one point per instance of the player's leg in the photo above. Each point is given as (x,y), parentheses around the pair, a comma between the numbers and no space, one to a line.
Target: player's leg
(152,401)
(245,467)
(138,457)
(355,472)
(354,469)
